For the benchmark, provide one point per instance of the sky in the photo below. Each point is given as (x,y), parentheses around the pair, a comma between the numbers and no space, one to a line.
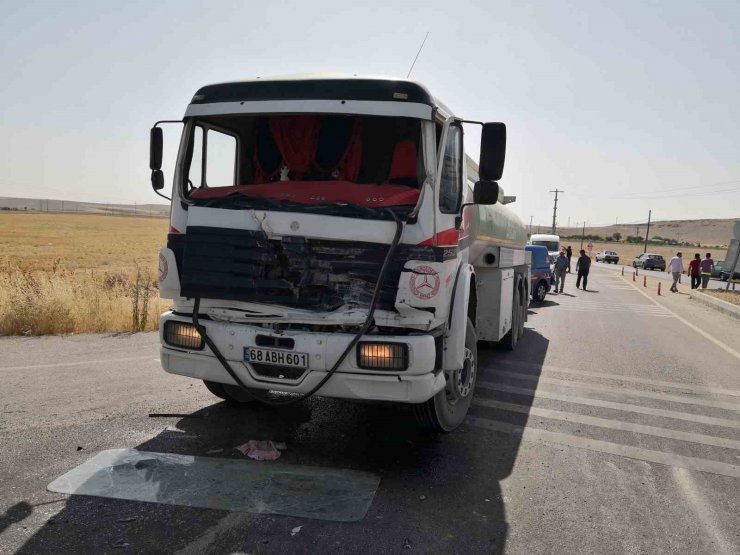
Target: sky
(626,106)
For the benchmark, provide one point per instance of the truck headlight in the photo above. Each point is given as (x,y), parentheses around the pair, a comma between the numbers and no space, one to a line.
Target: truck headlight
(180,334)
(382,356)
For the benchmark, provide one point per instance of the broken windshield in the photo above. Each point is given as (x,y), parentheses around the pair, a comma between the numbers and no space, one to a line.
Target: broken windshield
(330,163)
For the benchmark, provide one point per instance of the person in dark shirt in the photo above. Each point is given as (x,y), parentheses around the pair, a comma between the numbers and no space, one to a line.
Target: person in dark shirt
(694,272)
(582,267)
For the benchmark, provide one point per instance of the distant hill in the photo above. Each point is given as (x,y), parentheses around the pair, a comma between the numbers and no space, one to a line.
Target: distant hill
(705,232)
(55,205)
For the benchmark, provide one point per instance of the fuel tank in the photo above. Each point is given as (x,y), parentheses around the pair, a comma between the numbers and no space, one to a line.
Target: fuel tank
(494,225)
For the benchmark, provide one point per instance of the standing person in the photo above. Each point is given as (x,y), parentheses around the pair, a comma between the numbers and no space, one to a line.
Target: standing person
(694,271)
(561,268)
(569,254)
(583,265)
(675,267)
(707,267)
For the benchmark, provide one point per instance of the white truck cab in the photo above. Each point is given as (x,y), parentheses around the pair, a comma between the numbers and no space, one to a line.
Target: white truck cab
(329,236)
(552,242)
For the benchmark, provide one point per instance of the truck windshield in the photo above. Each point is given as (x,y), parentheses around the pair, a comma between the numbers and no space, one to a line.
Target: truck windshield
(303,162)
(552,246)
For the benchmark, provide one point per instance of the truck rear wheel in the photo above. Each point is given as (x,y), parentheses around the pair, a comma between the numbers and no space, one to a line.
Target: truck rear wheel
(511,339)
(447,409)
(230,393)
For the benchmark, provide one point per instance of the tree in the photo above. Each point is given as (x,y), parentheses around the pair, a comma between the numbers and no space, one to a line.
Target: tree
(617,236)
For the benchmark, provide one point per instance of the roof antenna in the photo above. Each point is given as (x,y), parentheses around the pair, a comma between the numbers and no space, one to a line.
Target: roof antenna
(417,55)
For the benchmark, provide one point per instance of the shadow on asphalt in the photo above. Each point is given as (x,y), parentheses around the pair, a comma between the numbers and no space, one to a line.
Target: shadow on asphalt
(438,492)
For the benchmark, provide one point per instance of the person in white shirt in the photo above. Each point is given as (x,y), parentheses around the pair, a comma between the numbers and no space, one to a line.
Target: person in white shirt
(675,266)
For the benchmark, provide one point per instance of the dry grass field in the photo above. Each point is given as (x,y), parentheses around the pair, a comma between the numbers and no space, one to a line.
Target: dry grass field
(75,273)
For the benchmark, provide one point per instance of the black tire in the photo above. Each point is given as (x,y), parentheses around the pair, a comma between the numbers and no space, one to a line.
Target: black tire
(634,265)
(447,409)
(511,339)
(232,394)
(522,310)
(540,291)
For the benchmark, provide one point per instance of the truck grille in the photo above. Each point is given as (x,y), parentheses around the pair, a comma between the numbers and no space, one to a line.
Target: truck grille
(244,265)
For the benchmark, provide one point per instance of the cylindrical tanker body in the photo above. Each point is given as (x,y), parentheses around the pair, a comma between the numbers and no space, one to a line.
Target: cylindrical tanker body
(495,225)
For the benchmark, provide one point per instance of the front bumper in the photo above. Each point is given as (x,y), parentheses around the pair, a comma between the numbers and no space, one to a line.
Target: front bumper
(416,384)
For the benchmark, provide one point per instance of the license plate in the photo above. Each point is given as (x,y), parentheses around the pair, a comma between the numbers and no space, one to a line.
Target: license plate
(278,358)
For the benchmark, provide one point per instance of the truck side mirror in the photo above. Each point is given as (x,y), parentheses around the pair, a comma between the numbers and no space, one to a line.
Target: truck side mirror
(485,192)
(157,180)
(492,151)
(155,149)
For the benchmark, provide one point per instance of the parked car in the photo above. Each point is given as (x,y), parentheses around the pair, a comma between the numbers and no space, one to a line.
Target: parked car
(724,275)
(609,257)
(718,267)
(649,261)
(541,274)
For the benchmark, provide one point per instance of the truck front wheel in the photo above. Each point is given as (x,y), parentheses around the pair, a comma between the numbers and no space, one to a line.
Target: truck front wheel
(232,394)
(447,409)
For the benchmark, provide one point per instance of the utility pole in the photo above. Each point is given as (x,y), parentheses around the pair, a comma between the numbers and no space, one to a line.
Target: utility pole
(555,210)
(583,234)
(530,224)
(647,233)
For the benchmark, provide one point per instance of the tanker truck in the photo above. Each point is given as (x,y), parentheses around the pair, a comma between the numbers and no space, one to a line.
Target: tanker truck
(329,236)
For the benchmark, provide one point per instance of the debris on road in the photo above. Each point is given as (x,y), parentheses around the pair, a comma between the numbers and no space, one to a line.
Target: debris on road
(121,544)
(128,519)
(80,448)
(261,450)
(295,530)
(214,451)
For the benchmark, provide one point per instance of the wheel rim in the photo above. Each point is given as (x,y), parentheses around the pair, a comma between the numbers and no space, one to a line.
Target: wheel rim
(541,291)
(461,382)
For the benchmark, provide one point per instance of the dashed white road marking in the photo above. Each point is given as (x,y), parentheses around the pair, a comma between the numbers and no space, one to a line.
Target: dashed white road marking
(700,331)
(610,424)
(625,407)
(617,377)
(629,451)
(623,391)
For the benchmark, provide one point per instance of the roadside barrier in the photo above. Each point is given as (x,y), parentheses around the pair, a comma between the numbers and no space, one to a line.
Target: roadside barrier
(644,281)
(622,270)
(658,289)
(633,276)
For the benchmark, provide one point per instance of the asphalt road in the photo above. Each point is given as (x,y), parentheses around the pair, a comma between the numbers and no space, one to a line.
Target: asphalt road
(614,428)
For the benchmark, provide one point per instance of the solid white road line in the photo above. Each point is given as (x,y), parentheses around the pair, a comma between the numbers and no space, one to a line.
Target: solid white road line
(700,331)
(616,377)
(78,363)
(622,391)
(703,510)
(625,407)
(628,451)
(611,424)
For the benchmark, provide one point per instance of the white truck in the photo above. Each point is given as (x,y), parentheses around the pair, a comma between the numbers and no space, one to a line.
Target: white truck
(552,242)
(329,236)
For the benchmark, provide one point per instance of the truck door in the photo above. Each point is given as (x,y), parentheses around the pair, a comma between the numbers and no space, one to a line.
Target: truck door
(450,179)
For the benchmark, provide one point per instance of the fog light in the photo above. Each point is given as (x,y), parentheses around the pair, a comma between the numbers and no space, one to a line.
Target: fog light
(382,356)
(179,334)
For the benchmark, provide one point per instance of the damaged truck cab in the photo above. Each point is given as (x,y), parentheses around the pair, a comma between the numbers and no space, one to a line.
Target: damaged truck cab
(329,236)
